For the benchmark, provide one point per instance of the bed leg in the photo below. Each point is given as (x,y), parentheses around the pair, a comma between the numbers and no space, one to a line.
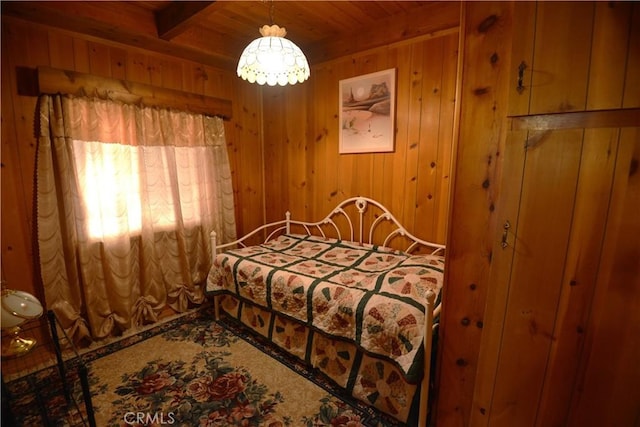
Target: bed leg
(214,250)
(424,385)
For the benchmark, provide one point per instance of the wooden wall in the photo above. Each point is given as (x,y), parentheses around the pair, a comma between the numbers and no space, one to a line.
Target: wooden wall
(306,174)
(486,29)
(30,45)
(543,331)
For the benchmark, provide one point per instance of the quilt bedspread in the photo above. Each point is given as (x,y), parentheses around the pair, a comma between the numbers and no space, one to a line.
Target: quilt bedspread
(372,296)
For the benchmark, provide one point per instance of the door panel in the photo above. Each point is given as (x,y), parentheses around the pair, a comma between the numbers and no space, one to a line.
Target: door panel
(546,205)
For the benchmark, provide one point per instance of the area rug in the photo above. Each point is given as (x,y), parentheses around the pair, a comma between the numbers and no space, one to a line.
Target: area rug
(189,371)
(198,372)
(193,371)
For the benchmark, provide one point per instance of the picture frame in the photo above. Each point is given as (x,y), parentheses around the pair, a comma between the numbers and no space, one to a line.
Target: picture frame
(367,113)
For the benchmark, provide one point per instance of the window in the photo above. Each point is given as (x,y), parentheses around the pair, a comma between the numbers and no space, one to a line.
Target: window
(116,196)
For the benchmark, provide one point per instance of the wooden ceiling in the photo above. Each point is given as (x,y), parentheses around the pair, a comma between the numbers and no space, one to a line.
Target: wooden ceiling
(216,32)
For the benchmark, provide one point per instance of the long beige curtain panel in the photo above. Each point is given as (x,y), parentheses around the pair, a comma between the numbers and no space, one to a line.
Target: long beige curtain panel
(126,199)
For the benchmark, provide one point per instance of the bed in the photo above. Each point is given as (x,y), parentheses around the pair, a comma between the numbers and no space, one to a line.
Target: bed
(353,295)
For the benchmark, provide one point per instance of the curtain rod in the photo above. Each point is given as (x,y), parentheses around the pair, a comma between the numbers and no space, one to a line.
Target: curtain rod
(53,81)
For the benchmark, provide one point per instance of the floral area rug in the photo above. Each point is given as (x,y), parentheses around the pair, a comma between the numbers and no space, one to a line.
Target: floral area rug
(197,372)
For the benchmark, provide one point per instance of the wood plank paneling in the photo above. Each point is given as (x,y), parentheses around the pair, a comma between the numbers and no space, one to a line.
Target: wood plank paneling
(561,70)
(118,58)
(447,132)
(606,392)
(437,96)
(631,96)
(396,177)
(410,181)
(497,295)
(550,175)
(483,102)
(81,56)
(606,388)
(276,153)
(420,139)
(556,348)
(136,68)
(609,47)
(597,164)
(297,143)
(61,51)
(99,59)
(17,248)
(523,40)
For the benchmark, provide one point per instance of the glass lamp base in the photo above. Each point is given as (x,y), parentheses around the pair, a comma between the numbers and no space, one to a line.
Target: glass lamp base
(18,346)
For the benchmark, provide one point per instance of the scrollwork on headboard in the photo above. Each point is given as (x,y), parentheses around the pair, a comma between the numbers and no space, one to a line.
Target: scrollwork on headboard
(339,224)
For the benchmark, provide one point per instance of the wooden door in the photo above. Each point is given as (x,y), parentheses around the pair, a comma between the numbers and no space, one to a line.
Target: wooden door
(551,279)
(562,323)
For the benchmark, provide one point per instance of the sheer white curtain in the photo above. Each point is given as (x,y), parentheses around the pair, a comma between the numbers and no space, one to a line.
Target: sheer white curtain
(126,199)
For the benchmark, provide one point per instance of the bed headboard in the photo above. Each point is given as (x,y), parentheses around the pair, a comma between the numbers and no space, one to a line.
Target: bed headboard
(357,219)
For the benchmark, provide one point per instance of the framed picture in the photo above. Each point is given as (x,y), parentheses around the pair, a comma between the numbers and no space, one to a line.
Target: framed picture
(367,113)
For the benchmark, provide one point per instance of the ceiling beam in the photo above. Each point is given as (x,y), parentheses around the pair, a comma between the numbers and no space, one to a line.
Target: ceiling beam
(42,13)
(176,18)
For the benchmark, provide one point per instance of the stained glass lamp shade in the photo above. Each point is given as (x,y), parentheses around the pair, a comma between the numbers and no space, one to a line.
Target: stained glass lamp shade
(273,60)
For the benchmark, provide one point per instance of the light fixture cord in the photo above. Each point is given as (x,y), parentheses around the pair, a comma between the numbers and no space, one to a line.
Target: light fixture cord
(271,6)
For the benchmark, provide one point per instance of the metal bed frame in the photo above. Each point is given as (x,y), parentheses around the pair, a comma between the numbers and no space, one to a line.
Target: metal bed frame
(329,226)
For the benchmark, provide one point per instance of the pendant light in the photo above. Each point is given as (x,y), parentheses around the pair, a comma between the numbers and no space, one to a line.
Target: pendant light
(272,59)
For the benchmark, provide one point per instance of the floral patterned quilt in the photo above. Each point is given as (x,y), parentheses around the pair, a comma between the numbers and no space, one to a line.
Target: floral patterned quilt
(369,295)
